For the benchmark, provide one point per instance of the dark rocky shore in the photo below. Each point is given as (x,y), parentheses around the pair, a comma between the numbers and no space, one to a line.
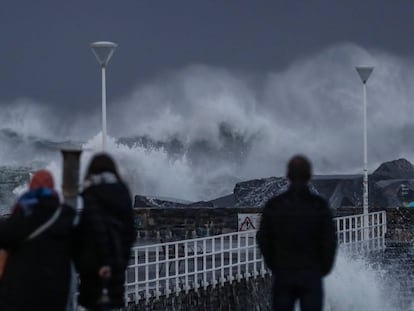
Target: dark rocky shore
(391,185)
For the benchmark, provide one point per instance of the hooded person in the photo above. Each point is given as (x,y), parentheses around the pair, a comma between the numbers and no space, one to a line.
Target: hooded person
(105,235)
(37,237)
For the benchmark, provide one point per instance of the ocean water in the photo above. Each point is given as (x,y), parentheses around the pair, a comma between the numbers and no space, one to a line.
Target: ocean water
(11,178)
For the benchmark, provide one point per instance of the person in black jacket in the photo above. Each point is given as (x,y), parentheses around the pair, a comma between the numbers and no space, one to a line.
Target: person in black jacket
(38,238)
(298,242)
(105,235)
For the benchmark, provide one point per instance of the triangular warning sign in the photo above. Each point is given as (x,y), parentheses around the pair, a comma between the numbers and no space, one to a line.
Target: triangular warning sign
(247,224)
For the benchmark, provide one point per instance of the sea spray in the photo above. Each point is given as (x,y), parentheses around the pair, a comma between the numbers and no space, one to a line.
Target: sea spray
(151,171)
(355,284)
(358,284)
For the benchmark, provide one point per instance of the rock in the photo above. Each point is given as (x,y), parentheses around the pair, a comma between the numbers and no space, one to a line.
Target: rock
(147,201)
(256,192)
(397,169)
(201,204)
(339,190)
(384,187)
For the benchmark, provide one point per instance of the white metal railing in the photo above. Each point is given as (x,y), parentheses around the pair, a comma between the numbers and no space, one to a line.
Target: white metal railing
(173,267)
(362,232)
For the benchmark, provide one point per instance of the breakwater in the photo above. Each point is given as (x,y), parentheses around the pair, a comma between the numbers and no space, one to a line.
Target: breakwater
(185,223)
(244,295)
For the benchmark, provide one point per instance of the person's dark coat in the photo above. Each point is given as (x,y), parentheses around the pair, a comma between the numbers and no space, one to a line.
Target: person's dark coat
(297,232)
(37,271)
(105,236)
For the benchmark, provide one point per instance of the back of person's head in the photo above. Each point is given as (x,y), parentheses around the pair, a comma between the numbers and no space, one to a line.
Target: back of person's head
(41,179)
(299,170)
(102,163)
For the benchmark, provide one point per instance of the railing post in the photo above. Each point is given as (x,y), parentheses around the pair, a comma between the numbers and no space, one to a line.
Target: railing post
(213,259)
(238,259)
(136,275)
(147,294)
(70,185)
(366,225)
(231,278)
(187,287)
(205,284)
(157,273)
(222,260)
(177,270)
(70,189)
(196,283)
(167,269)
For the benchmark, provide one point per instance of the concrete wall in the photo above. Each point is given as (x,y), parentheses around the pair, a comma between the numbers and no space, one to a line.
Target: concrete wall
(186,223)
(400,224)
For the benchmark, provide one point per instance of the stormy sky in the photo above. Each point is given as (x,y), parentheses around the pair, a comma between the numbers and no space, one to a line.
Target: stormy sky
(45,55)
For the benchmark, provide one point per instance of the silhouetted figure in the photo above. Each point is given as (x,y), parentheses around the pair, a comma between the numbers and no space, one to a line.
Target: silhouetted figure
(38,239)
(105,235)
(297,240)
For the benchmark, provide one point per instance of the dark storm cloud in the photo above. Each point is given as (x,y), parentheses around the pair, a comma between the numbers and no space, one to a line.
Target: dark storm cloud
(45,55)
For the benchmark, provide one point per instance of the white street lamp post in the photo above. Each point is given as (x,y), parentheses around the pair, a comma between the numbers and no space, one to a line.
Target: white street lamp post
(364,73)
(103,51)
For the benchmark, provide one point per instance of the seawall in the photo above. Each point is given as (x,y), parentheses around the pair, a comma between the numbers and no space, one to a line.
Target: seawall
(246,295)
(186,223)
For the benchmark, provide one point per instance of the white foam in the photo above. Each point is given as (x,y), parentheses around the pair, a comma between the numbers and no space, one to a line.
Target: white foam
(356,285)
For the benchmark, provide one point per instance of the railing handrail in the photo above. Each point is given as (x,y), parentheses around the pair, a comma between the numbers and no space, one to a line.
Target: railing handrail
(188,240)
(253,230)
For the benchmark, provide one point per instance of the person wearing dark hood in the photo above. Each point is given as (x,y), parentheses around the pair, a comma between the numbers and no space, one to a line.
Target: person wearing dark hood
(37,238)
(298,242)
(106,234)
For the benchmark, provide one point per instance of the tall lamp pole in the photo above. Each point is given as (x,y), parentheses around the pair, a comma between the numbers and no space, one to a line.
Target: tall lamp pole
(103,51)
(364,73)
